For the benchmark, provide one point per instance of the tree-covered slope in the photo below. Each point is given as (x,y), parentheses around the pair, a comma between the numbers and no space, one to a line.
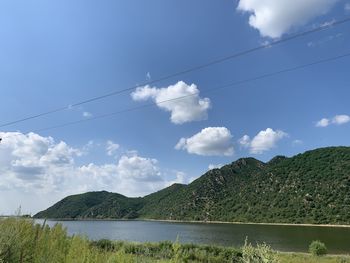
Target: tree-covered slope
(94,205)
(197,200)
(313,187)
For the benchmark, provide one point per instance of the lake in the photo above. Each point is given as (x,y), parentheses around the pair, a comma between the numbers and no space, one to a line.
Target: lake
(283,238)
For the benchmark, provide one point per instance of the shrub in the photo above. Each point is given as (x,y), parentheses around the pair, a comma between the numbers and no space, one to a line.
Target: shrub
(317,248)
(262,253)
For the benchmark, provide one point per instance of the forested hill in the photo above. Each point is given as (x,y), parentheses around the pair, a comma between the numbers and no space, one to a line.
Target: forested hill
(313,187)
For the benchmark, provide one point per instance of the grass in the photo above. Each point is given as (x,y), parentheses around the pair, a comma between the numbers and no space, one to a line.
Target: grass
(21,240)
(307,258)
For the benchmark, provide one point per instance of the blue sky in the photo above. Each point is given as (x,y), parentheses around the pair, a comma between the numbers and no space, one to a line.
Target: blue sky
(56,53)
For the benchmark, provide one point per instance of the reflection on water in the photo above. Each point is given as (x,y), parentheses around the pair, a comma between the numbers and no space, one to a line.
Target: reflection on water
(283,238)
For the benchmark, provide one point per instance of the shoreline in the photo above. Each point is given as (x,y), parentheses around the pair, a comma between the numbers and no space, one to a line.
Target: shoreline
(244,223)
(196,222)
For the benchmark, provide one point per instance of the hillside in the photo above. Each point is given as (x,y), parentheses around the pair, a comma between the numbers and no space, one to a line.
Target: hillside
(94,205)
(313,187)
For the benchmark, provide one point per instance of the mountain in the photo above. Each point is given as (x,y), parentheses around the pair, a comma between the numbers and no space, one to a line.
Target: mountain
(313,187)
(94,205)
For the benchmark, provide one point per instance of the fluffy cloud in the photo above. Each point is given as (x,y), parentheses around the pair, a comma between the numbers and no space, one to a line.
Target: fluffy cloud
(273,18)
(337,120)
(211,141)
(138,168)
(111,148)
(37,171)
(341,119)
(323,122)
(34,162)
(244,141)
(189,108)
(264,141)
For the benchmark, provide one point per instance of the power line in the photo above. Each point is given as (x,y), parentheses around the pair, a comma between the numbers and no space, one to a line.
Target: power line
(189,70)
(235,83)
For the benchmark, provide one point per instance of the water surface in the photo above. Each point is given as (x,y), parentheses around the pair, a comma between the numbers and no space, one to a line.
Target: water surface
(283,238)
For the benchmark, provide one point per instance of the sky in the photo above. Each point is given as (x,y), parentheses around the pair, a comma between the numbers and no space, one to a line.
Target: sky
(54,54)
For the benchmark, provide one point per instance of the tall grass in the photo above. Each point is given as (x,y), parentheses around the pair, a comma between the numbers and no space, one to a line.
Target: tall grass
(23,241)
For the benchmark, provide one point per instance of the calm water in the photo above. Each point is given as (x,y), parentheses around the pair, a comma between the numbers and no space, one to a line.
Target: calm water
(283,238)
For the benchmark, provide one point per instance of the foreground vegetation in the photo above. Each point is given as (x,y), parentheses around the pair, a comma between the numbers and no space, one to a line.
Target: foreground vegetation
(313,187)
(23,241)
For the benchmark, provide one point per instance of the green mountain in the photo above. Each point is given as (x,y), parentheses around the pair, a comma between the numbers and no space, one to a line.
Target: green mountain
(313,187)
(94,205)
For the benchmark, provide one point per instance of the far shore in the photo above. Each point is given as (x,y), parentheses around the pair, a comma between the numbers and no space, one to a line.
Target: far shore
(244,223)
(194,222)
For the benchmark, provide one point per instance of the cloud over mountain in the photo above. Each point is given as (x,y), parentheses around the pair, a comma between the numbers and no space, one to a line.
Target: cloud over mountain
(36,171)
(264,141)
(211,141)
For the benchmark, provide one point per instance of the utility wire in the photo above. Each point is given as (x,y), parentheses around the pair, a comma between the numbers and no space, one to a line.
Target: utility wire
(235,83)
(189,70)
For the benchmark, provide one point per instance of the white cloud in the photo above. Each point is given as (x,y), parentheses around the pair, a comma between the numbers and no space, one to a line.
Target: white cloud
(323,122)
(215,166)
(87,114)
(181,178)
(138,168)
(244,141)
(148,76)
(341,119)
(31,161)
(337,120)
(36,172)
(189,108)
(211,141)
(111,148)
(273,18)
(264,141)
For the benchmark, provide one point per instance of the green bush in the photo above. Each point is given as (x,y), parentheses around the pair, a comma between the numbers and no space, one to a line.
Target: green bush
(262,253)
(317,248)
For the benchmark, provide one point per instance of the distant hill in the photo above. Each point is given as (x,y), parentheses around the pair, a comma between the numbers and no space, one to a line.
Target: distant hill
(97,205)
(313,187)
